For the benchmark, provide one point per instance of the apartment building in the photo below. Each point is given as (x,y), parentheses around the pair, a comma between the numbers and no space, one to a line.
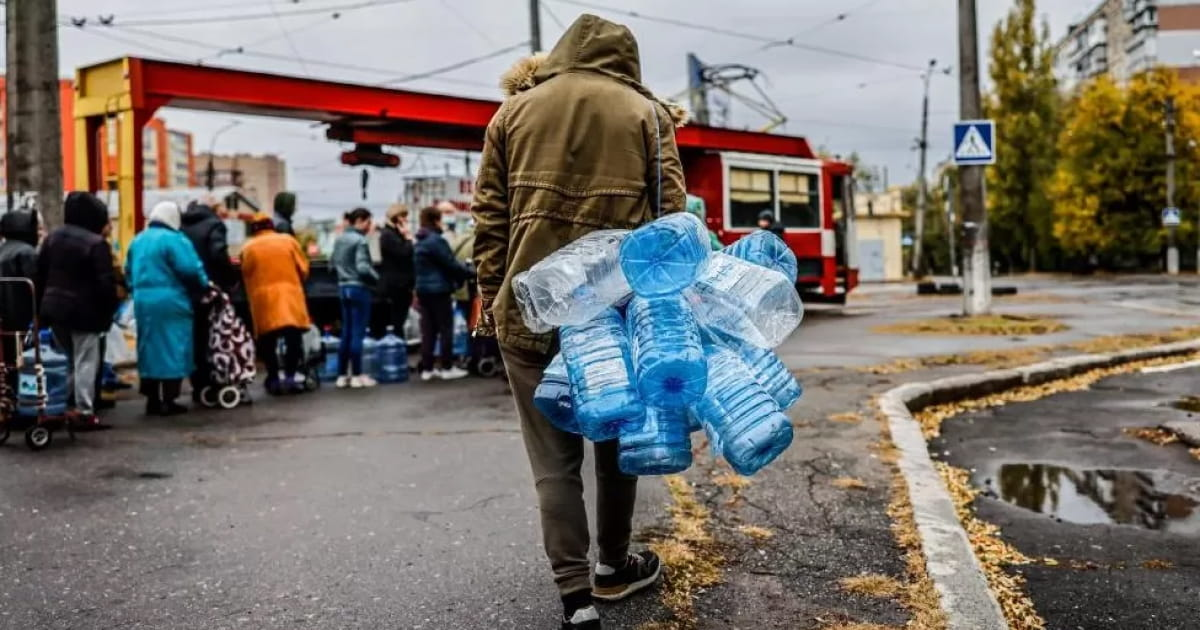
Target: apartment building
(260,177)
(1121,38)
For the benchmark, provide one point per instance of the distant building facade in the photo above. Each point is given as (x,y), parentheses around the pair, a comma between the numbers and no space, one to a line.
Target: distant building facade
(879,234)
(1121,38)
(260,177)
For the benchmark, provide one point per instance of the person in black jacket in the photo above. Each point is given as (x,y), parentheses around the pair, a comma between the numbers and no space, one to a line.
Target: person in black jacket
(78,289)
(438,274)
(396,273)
(285,209)
(208,234)
(18,259)
(768,222)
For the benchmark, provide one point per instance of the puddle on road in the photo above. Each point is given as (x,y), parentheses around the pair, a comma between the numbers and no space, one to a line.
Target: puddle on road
(1121,497)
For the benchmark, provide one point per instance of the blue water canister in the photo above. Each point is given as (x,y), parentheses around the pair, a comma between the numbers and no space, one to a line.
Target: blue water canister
(765,366)
(553,397)
(462,334)
(370,357)
(600,369)
(664,256)
(765,249)
(330,345)
(56,369)
(742,418)
(661,446)
(668,357)
(393,358)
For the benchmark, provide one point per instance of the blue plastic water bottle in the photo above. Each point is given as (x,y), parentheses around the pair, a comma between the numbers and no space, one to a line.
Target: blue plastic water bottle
(765,366)
(664,256)
(462,336)
(553,397)
(55,368)
(330,345)
(671,372)
(661,446)
(393,358)
(744,420)
(370,357)
(600,369)
(766,250)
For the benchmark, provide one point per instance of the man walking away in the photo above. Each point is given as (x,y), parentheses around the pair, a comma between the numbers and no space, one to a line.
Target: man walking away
(18,259)
(79,294)
(208,234)
(579,145)
(438,273)
(397,277)
(285,209)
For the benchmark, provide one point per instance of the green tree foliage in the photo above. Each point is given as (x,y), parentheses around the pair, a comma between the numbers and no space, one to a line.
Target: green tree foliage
(1024,102)
(1110,185)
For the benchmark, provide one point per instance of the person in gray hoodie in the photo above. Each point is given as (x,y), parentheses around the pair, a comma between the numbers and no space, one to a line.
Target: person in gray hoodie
(356,275)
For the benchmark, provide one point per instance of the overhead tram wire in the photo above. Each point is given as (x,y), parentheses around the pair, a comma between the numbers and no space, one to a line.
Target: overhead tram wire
(455,66)
(291,44)
(205,7)
(246,17)
(465,21)
(553,16)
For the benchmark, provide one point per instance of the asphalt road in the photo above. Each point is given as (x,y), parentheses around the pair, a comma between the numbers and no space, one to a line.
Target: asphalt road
(1119,515)
(411,506)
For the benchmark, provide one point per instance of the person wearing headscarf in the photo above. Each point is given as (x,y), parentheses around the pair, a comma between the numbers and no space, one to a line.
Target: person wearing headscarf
(285,209)
(18,259)
(396,274)
(274,270)
(164,273)
(78,288)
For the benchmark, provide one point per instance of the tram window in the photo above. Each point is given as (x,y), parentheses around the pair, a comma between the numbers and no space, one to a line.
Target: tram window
(799,200)
(750,192)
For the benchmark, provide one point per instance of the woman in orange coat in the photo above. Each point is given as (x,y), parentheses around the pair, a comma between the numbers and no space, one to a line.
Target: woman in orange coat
(274,269)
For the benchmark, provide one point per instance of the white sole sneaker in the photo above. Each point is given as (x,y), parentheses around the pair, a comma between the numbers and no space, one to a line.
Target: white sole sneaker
(427,376)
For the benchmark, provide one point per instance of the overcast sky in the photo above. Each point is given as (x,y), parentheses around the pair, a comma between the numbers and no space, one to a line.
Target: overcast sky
(839,102)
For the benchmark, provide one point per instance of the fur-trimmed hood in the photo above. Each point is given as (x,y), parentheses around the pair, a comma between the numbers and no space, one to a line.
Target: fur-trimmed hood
(591,44)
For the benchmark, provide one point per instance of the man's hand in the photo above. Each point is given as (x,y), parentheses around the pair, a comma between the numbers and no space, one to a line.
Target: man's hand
(486,326)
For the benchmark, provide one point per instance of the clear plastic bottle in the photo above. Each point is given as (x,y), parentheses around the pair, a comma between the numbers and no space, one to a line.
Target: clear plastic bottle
(553,397)
(462,335)
(765,249)
(55,370)
(330,344)
(668,356)
(393,358)
(370,357)
(661,446)
(574,284)
(600,369)
(665,255)
(743,419)
(766,367)
(745,301)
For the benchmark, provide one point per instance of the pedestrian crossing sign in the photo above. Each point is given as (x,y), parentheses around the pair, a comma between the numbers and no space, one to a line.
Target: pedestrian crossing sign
(975,143)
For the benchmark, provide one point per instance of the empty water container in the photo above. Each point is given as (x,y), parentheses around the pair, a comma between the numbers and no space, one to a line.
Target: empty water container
(743,419)
(599,367)
(393,358)
(462,334)
(661,446)
(745,301)
(370,357)
(330,345)
(766,367)
(574,284)
(765,249)
(553,397)
(55,370)
(664,256)
(668,357)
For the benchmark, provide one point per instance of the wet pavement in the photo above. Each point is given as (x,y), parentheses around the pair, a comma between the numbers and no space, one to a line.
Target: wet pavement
(1118,516)
(411,506)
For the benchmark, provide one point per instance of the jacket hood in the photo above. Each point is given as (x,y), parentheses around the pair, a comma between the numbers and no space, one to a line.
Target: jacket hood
(197,212)
(19,225)
(285,204)
(84,210)
(591,44)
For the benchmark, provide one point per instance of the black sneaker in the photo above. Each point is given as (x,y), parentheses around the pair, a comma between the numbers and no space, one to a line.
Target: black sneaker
(640,570)
(579,613)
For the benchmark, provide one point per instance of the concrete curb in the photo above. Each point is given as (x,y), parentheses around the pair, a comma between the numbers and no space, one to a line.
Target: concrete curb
(965,596)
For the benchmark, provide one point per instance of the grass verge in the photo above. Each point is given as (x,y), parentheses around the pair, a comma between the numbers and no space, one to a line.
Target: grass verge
(689,554)
(986,325)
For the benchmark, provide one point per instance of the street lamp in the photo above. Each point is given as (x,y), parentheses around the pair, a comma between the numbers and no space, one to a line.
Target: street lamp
(210,173)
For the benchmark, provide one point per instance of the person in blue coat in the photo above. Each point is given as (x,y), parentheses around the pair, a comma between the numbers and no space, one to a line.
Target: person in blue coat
(164,273)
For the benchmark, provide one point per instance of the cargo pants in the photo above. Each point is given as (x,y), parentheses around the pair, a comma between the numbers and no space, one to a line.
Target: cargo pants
(556,458)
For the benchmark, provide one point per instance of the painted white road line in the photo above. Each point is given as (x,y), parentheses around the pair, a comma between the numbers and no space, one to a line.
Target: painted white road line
(1150,308)
(1170,368)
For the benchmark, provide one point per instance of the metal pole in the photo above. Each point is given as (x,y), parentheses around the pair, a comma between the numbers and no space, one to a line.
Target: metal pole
(917,266)
(33,142)
(210,173)
(535,26)
(1172,247)
(977,272)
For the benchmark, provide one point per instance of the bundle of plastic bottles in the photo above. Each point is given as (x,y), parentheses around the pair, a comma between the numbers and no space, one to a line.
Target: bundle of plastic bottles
(660,336)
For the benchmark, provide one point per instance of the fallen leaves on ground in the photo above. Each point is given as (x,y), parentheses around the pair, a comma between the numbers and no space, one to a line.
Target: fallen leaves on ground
(1158,565)
(849,483)
(689,554)
(987,325)
(756,532)
(872,585)
(846,417)
(859,626)
(731,480)
(1153,435)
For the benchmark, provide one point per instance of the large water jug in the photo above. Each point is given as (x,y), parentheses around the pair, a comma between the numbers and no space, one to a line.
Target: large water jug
(370,357)
(745,301)
(665,255)
(462,334)
(600,369)
(574,284)
(661,446)
(668,357)
(765,366)
(55,369)
(553,397)
(330,345)
(393,358)
(743,419)
(765,249)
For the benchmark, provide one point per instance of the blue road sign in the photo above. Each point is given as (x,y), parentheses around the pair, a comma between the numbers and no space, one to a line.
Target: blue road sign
(1170,217)
(975,142)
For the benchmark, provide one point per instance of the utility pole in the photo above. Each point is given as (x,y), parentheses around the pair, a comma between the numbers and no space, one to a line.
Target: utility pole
(977,265)
(1172,247)
(917,266)
(535,26)
(33,142)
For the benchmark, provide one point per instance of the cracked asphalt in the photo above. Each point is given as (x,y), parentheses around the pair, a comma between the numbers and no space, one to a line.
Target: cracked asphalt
(411,506)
